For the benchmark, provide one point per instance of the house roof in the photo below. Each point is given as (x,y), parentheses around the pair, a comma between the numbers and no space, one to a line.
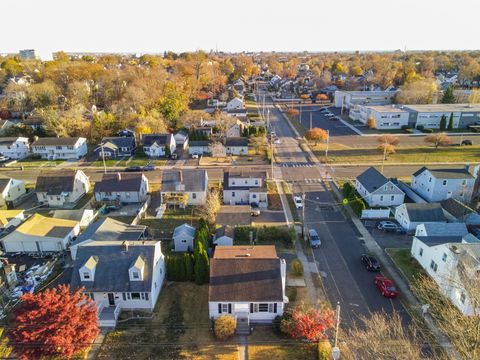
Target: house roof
(55,183)
(53,141)
(5,141)
(108,229)
(224,231)
(456,208)
(445,229)
(234,215)
(4,183)
(39,225)
(372,179)
(119,182)
(199,143)
(236,141)
(430,212)
(120,141)
(237,277)
(76,215)
(446,173)
(159,139)
(444,239)
(112,265)
(7,215)
(184,229)
(194,180)
(243,174)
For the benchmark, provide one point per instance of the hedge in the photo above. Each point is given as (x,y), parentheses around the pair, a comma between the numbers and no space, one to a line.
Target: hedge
(267,235)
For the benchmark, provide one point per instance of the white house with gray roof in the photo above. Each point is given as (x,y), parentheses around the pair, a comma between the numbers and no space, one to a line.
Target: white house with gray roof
(377,190)
(14,147)
(192,183)
(441,184)
(183,237)
(65,148)
(119,275)
(154,145)
(410,215)
(123,187)
(242,187)
(451,261)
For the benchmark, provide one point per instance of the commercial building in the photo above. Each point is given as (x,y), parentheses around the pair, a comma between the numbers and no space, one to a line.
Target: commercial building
(348,99)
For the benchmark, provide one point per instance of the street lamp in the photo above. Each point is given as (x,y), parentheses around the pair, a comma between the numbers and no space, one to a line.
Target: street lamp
(336,350)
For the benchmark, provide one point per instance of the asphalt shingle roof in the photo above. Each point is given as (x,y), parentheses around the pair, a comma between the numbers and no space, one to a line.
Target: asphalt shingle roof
(446,173)
(236,141)
(119,182)
(194,180)
(430,212)
(111,270)
(55,183)
(372,179)
(5,141)
(159,139)
(120,141)
(53,141)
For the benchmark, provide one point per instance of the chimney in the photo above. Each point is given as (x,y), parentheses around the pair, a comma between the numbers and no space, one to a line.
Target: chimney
(125,245)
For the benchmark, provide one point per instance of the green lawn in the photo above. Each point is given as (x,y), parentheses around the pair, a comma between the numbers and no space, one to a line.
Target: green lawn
(38,163)
(420,155)
(163,228)
(406,263)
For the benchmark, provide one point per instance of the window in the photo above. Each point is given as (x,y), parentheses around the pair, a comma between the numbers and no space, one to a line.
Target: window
(224,308)
(420,252)
(146,296)
(433,266)
(124,295)
(135,275)
(444,182)
(262,307)
(392,198)
(233,193)
(143,296)
(135,296)
(254,196)
(430,180)
(256,182)
(194,195)
(86,275)
(444,257)
(58,147)
(69,147)
(90,295)
(127,195)
(463,297)
(381,198)
(128,296)
(464,182)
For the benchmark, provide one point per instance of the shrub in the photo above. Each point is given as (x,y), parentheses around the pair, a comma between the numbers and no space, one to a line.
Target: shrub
(357,205)
(296,267)
(427,130)
(224,327)
(405,127)
(409,130)
(348,190)
(276,325)
(324,350)
(420,127)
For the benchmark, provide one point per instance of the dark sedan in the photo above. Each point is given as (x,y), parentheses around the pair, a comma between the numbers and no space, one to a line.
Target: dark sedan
(370,263)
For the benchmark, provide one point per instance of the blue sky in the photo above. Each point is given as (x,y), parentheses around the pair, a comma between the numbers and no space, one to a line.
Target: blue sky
(250,25)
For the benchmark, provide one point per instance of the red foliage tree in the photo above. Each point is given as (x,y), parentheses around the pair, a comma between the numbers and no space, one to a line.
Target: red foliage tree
(54,322)
(308,323)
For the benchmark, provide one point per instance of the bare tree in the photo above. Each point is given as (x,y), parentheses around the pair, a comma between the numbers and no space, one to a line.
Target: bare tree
(212,206)
(436,140)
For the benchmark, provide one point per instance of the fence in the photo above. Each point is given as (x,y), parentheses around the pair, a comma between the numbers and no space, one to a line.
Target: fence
(142,211)
(375,213)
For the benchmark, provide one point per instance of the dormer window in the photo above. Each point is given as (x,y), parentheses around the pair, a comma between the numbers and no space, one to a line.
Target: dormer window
(135,275)
(86,275)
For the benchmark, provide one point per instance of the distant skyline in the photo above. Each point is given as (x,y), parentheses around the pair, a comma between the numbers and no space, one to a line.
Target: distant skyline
(149,26)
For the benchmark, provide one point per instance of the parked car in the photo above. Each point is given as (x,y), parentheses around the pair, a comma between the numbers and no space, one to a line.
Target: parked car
(323,110)
(133,169)
(255,210)
(173,156)
(4,158)
(148,167)
(370,263)
(298,202)
(314,239)
(386,287)
(194,156)
(329,114)
(467,142)
(388,226)
(277,141)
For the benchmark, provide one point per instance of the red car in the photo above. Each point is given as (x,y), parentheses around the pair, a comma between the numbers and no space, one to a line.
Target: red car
(386,287)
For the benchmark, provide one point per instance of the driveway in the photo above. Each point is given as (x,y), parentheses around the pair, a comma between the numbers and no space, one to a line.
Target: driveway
(270,218)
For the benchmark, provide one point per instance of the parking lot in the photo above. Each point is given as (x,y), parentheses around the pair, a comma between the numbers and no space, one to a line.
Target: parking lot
(388,239)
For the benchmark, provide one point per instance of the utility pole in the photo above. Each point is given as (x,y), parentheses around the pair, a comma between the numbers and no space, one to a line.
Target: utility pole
(311,120)
(328,143)
(336,350)
(301,112)
(303,216)
(384,154)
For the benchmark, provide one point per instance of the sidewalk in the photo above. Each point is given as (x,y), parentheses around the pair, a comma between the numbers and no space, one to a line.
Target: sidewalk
(375,249)
(97,344)
(308,267)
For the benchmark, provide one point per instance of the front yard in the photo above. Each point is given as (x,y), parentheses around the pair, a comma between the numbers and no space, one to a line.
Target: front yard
(404,261)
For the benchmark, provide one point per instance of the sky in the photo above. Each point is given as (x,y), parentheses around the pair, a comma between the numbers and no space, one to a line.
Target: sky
(152,26)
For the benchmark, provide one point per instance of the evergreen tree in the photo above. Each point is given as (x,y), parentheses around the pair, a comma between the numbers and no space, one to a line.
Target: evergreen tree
(181,268)
(245,132)
(450,122)
(170,267)
(443,122)
(189,265)
(167,151)
(201,266)
(448,97)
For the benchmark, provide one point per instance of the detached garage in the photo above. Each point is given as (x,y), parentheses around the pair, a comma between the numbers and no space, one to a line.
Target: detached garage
(41,234)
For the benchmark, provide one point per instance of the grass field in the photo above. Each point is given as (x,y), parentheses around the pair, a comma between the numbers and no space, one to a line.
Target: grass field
(419,155)
(406,263)
(164,227)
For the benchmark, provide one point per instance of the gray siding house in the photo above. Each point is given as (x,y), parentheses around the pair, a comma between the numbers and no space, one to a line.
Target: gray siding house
(183,236)
(245,187)
(377,190)
(192,183)
(410,215)
(126,188)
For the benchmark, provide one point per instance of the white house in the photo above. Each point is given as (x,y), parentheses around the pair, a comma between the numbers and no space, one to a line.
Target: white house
(119,275)
(108,230)
(10,191)
(84,216)
(441,229)
(440,184)
(235,103)
(123,187)
(456,211)
(14,147)
(410,215)
(11,218)
(236,146)
(223,236)
(245,187)
(181,139)
(247,282)
(377,190)
(41,234)
(183,236)
(62,188)
(199,147)
(154,145)
(235,130)
(65,148)
(190,183)
(451,261)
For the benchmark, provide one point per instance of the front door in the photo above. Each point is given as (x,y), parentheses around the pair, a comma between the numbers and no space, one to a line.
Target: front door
(111,299)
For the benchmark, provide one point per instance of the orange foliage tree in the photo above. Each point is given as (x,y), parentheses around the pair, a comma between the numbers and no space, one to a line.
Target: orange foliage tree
(55,322)
(316,134)
(304,322)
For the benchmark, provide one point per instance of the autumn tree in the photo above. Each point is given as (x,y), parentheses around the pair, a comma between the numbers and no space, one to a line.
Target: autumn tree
(474,97)
(293,112)
(371,123)
(309,323)
(58,322)
(436,140)
(210,210)
(224,327)
(417,90)
(172,104)
(316,134)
